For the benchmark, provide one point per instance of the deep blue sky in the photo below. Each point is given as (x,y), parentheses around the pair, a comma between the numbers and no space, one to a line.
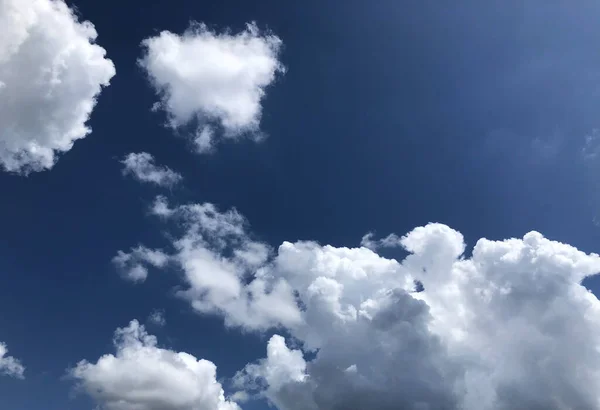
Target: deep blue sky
(391,115)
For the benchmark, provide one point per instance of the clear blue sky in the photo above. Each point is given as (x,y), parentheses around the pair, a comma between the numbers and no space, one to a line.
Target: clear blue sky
(390,115)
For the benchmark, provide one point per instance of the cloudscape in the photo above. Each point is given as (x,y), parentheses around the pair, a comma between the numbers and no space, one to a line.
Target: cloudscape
(299,206)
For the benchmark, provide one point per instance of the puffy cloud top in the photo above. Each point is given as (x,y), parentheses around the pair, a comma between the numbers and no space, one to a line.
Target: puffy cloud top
(215,81)
(510,327)
(51,73)
(142,376)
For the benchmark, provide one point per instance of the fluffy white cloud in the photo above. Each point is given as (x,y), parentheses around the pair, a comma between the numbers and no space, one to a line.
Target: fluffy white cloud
(131,264)
(216,254)
(142,376)
(212,81)
(510,327)
(142,167)
(9,365)
(51,73)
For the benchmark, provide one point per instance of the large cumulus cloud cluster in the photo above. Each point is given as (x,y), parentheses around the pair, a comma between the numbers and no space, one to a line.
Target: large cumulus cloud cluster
(506,326)
(51,73)
(509,327)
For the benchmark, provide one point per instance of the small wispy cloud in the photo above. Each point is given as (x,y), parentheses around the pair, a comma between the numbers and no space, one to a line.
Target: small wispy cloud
(142,167)
(157,318)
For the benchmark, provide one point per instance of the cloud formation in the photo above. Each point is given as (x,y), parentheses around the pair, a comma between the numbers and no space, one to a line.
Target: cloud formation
(390,241)
(212,81)
(215,254)
(157,318)
(131,264)
(142,376)
(51,73)
(509,327)
(10,366)
(142,167)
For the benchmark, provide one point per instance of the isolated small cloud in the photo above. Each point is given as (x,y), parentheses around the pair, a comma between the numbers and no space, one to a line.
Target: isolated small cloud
(591,145)
(51,73)
(142,376)
(142,167)
(10,366)
(157,318)
(212,81)
(509,327)
(390,241)
(132,265)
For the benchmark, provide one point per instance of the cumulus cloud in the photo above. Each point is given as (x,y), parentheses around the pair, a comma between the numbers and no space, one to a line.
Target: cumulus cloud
(212,81)
(142,167)
(215,254)
(10,366)
(142,376)
(510,327)
(132,265)
(51,73)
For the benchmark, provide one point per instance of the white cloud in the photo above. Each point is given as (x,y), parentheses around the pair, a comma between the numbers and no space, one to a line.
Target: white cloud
(141,166)
(157,318)
(213,81)
(142,376)
(509,327)
(10,366)
(216,254)
(496,331)
(132,264)
(390,241)
(51,73)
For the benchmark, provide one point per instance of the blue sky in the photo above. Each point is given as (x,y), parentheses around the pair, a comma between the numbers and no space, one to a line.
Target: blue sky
(345,118)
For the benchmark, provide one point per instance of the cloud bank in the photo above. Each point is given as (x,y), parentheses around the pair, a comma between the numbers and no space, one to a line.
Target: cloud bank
(51,73)
(142,167)
(142,376)
(10,366)
(213,81)
(510,327)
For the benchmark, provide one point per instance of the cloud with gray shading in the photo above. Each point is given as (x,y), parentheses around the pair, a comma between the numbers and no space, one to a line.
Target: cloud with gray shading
(143,376)
(10,366)
(509,327)
(51,73)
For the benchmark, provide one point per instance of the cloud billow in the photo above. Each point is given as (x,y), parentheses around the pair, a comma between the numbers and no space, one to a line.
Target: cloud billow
(143,376)
(509,327)
(51,73)
(214,82)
